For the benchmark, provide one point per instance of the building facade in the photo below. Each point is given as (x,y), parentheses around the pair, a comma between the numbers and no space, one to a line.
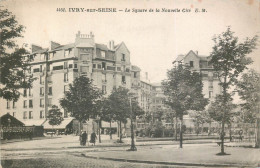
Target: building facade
(58,65)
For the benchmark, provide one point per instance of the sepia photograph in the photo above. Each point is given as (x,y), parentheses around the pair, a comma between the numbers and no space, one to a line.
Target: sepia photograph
(129,83)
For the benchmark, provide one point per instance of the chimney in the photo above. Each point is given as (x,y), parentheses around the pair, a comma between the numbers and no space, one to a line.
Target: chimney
(146,75)
(112,45)
(109,45)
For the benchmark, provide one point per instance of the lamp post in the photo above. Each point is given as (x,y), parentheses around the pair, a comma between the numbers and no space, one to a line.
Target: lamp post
(99,123)
(133,147)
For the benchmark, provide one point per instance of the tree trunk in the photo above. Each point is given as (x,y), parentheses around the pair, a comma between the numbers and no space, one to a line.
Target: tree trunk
(209,131)
(176,127)
(52,131)
(230,133)
(120,133)
(202,127)
(181,119)
(257,133)
(118,129)
(110,130)
(99,127)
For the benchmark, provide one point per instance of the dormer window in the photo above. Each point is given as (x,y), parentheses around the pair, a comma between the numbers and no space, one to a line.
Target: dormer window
(103,54)
(66,53)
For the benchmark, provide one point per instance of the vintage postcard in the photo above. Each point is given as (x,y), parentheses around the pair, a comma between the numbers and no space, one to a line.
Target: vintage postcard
(130,83)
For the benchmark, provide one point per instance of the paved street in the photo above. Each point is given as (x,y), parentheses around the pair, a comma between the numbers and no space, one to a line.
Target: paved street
(65,151)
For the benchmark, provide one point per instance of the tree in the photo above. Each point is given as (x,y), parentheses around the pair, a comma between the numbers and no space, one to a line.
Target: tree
(183,90)
(229,61)
(81,99)
(106,113)
(55,116)
(119,101)
(249,90)
(14,69)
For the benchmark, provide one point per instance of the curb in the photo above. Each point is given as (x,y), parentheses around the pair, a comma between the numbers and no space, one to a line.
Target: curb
(166,163)
(22,140)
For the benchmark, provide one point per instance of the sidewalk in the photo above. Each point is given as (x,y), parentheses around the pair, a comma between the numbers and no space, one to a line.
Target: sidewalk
(198,155)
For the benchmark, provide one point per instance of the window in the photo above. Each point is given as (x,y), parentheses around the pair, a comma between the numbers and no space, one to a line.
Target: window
(85,57)
(135,74)
(41,102)
(50,102)
(25,103)
(8,104)
(99,66)
(40,68)
(66,79)
(41,91)
(65,65)
(50,91)
(36,70)
(14,104)
(76,66)
(123,57)
(66,53)
(41,80)
(30,103)
(30,115)
(191,63)
(94,65)
(25,92)
(30,92)
(57,67)
(123,80)
(25,115)
(84,69)
(210,94)
(70,66)
(104,89)
(118,68)
(103,65)
(103,54)
(14,114)
(42,114)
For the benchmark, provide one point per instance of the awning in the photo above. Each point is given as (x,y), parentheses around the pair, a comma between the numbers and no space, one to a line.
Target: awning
(107,124)
(63,124)
(33,122)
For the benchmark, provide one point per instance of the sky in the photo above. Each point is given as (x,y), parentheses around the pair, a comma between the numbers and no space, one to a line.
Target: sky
(154,39)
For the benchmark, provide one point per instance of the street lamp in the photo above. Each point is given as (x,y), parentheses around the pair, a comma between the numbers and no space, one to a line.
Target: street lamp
(99,123)
(133,147)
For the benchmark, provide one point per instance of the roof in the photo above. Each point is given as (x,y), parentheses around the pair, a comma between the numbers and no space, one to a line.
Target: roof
(67,46)
(135,68)
(63,124)
(85,45)
(119,45)
(31,122)
(179,58)
(102,46)
(4,121)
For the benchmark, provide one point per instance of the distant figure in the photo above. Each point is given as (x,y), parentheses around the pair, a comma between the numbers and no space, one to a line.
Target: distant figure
(93,138)
(84,138)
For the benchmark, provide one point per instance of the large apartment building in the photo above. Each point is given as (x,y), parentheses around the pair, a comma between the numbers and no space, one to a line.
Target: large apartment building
(58,65)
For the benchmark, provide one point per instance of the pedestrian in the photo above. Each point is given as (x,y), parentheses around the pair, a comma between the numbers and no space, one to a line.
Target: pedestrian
(93,138)
(84,138)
